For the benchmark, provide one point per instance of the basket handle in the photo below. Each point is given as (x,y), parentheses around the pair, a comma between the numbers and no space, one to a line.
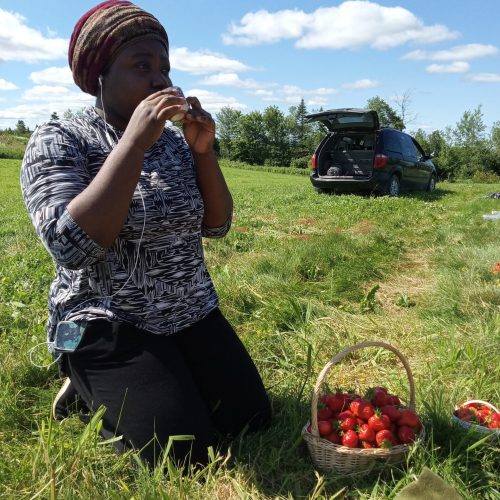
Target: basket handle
(340,356)
(489,405)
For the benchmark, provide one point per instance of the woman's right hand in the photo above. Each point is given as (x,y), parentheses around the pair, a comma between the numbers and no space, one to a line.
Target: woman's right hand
(148,119)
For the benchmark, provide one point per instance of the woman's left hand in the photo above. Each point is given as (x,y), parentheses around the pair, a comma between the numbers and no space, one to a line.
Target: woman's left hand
(199,127)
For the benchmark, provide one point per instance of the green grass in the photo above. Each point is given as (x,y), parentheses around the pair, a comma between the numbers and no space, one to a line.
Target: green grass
(12,146)
(301,276)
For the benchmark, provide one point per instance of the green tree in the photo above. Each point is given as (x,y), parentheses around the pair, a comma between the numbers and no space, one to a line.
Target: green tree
(250,142)
(54,116)
(495,136)
(304,136)
(300,134)
(227,131)
(277,137)
(473,153)
(422,138)
(387,116)
(21,128)
(469,132)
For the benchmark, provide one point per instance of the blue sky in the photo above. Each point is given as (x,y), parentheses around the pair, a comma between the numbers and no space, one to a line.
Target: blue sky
(443,54)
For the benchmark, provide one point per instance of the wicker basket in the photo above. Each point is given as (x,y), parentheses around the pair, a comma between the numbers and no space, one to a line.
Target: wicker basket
(328,456)
(480,429)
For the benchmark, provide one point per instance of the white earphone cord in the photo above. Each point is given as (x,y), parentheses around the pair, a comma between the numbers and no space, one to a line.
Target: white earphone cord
(112,144)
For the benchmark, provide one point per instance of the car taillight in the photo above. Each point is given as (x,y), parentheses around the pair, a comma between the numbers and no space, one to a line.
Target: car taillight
(313,161)
(380,161)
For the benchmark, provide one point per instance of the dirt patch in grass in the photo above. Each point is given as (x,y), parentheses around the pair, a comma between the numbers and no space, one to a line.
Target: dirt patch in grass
(363,227)
(307,221)
(408,287)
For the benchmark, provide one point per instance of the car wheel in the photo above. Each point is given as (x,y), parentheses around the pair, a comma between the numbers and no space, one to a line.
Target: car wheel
(394,186)
(432,184)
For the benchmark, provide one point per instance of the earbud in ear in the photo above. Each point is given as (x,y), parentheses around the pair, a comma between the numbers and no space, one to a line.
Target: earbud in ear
(100,80)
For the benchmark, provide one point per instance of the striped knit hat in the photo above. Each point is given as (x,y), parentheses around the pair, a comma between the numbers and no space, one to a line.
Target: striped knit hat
(101,32)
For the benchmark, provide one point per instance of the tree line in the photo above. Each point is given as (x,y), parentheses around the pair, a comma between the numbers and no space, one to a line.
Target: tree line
(273,138)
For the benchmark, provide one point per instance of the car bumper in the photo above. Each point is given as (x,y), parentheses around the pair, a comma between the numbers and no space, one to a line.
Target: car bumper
(376,182)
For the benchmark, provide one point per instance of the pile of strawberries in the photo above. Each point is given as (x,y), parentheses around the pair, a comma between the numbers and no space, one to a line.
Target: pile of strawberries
(478,413)
(374,421)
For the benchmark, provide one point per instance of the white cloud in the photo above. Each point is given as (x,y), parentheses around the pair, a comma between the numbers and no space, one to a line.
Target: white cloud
(37,113)
(484,77)
(364,83)
(354,23)
(52,76)
(458,53)
(18,42)
(264,94)
(454,67)
(292,94)
(203,62)
(213,102)
(5,85)
(231,80)
(41,101)
(266,27)
(45,93)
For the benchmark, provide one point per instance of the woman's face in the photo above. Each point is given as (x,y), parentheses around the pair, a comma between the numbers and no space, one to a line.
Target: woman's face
(140,69)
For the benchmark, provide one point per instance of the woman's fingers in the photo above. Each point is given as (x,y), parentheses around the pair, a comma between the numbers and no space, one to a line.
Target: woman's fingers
(196,112)
(167,103)
(168,106)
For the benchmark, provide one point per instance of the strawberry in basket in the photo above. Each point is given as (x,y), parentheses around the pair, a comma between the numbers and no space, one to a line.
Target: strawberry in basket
(375,421)
(351,433)
(478,412)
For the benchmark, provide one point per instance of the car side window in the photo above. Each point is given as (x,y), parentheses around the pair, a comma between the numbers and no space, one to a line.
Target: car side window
(392,142)
(420,152)
(409,148)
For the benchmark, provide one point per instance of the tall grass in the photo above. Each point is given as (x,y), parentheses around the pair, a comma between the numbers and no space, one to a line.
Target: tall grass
(301,276)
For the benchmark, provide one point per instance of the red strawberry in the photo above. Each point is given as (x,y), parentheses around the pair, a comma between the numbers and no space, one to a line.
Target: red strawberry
(324,427)
(336,402)
(324,398)
(409,418)
(334,438)
(385,438)
(345,413)
(350,439)
(324,414)
(392,412)
(378,396)
(367,445)
(366,433)
(494,422)
(406,434)
(392,399)
(465,414)
(379,421)
(347,423)
(362,408)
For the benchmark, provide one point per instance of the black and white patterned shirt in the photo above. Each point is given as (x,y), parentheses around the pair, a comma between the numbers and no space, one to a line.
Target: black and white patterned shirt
(154,275)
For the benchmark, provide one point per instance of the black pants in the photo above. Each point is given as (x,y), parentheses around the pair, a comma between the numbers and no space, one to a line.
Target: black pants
(200,381)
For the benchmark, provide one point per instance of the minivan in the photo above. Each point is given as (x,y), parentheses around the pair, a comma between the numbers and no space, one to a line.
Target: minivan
(359,155)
